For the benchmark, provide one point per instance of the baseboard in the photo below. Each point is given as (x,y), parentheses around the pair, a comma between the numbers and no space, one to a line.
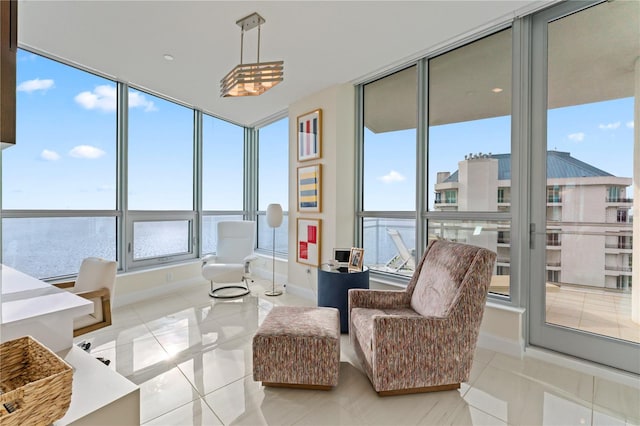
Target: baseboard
(305,293)
(129,298)
(597,370)
(266,274)
(500,344)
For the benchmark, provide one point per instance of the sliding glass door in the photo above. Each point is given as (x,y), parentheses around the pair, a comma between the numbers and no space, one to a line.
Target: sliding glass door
(586,80)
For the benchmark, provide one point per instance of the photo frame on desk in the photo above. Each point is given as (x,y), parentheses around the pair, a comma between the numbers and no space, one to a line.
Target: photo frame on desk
(308,241)
(356,259)
(310,188)
(309,127)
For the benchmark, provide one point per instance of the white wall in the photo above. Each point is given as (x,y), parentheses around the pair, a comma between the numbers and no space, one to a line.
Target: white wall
(131,287)
(338,179)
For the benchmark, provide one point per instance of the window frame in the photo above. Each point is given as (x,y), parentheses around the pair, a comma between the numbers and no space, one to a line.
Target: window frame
(516,215)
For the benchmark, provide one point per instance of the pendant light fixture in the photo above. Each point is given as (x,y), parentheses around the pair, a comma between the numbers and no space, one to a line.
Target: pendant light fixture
(251,79)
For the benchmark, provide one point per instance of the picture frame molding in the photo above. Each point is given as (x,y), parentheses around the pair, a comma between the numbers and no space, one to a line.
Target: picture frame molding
(318,223)
(299,142)
(318,207)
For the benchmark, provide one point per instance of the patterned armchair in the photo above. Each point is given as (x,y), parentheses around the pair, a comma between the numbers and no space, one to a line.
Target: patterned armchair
(423,338)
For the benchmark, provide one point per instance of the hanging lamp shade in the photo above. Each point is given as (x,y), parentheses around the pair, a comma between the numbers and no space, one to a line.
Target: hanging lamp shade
(251,79)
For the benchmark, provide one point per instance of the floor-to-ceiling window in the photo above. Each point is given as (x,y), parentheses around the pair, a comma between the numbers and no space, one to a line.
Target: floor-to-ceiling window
(273,183)
(469,148)
(388,204)
(222,177)
(160,216)
(530,148)
(104,169)
(59,180)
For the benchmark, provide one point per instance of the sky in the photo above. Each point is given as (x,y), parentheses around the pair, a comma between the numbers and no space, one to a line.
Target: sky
(66,155)
(600,134)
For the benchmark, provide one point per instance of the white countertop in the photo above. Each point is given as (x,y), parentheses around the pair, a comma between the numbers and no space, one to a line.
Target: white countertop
(24,297)
(98,391)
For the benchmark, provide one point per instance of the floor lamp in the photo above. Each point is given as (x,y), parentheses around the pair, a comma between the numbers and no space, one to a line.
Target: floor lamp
(274,220)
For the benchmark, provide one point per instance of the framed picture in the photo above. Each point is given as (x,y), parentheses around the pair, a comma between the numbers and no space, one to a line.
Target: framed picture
(308,241)
(356,258)
(310,135)
(309,187)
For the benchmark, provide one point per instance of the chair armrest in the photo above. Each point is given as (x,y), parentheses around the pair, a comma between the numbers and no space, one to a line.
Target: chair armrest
(377,299)
(92,294)
(67,284)
(209,258)
(250,258)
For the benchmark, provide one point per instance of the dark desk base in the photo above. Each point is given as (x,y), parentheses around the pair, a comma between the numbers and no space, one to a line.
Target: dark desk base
(333,289)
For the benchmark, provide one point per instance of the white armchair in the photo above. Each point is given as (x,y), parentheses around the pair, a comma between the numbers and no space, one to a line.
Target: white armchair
(95,283)
(230,264)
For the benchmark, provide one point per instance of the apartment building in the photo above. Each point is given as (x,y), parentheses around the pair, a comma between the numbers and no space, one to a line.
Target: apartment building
(588,211)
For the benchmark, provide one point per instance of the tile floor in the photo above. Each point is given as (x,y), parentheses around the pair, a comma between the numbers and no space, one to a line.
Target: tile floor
(191,357)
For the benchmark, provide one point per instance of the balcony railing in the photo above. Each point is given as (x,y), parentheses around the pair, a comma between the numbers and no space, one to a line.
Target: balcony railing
(618,268)
(619,200)
(554,199)
(554,264)
(622,246)
(554,243)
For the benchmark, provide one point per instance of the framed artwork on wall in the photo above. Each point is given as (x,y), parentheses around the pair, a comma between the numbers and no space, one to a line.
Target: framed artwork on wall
(309,188)
(310,135)
(308,241)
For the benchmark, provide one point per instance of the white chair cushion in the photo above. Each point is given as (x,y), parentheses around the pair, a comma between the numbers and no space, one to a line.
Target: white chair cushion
(223,272)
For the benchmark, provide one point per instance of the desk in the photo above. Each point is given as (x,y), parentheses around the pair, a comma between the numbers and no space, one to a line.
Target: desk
(333,289)
(33,307)
(100,396)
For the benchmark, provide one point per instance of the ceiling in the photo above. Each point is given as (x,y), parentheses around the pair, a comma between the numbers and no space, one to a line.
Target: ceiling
(322,43)
(591,58)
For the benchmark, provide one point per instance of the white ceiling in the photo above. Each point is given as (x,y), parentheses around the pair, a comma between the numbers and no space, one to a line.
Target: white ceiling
(322,43)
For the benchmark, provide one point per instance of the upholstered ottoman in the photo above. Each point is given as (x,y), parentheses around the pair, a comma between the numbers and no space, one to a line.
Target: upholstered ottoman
(298,346)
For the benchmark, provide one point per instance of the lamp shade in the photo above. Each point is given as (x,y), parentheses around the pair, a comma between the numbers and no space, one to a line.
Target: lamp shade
(274,215)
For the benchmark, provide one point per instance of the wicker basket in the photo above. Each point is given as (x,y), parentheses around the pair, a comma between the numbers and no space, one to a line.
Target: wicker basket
(35,383)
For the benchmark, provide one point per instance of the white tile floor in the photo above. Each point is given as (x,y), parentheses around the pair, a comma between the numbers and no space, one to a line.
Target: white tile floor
(191,357)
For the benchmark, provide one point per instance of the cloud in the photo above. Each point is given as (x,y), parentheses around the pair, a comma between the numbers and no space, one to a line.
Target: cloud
(102,98)
(86,151)
(629,124)
(391,177)
(576,137)
(30,86)
(136,99)
(49,155)
(609,126)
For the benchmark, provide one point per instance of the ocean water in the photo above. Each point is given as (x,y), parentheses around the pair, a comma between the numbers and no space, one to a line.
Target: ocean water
(55,247)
